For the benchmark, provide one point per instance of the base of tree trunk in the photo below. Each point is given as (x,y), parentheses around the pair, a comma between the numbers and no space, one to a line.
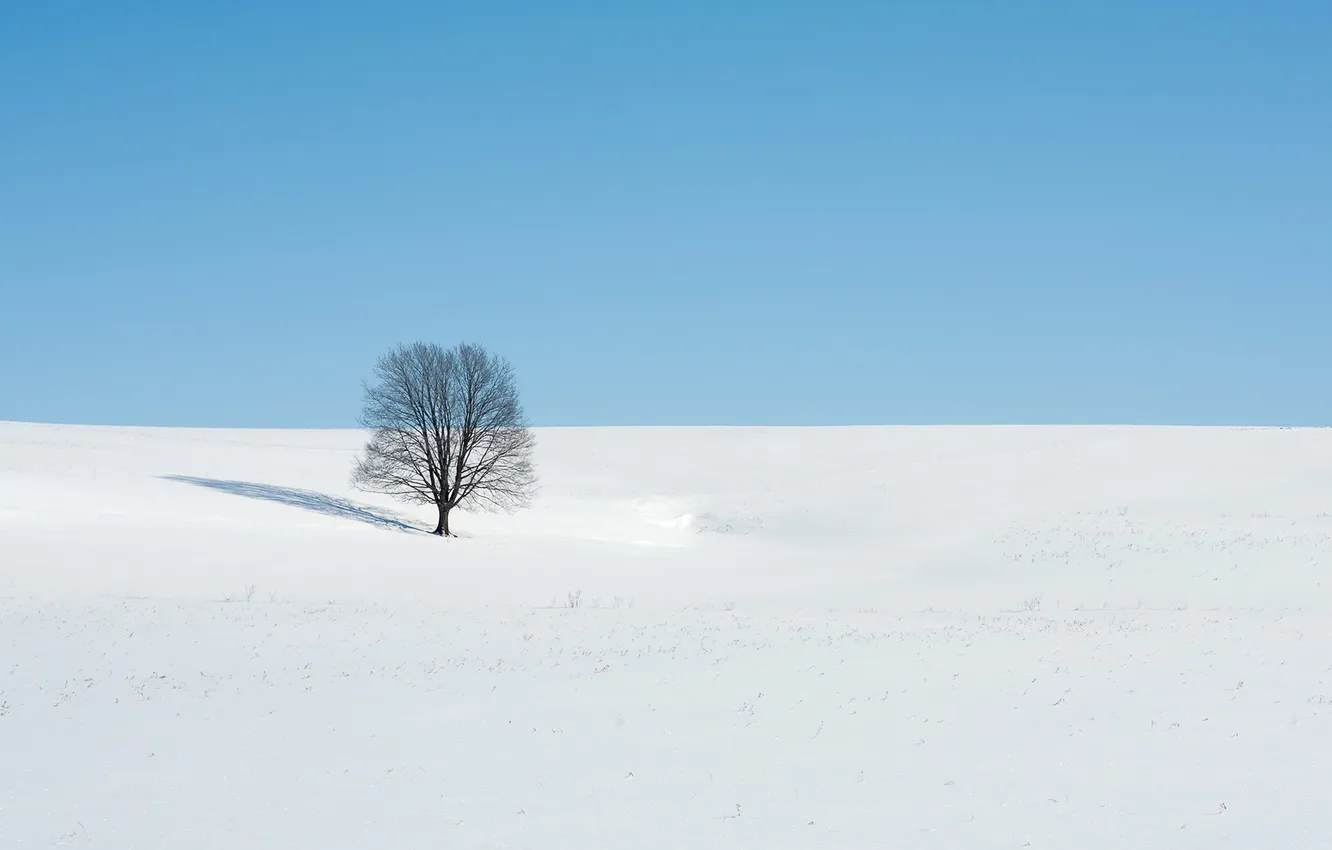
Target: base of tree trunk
(442,527)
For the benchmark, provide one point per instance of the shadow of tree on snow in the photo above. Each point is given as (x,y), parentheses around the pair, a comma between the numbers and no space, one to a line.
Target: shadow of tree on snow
(310,500)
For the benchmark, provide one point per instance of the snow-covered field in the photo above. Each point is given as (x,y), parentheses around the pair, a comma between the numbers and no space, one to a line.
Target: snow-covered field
(760,638)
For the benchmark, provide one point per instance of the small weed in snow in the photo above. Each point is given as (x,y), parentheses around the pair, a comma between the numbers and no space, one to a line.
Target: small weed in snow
(1031,604)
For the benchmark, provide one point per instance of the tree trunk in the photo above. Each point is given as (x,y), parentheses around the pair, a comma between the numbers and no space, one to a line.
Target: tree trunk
(442,527)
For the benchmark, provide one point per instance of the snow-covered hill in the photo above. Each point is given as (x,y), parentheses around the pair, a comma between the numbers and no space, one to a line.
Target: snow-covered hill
(955,518)
(706,637)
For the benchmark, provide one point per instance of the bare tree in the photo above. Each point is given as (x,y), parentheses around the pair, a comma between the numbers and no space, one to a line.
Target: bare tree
(447,430)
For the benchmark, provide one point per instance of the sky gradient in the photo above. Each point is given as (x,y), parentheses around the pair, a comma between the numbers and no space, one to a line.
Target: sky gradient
(671,213)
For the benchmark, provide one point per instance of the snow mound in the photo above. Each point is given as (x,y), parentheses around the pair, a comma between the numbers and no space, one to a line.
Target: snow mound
(897,517)
(710,637)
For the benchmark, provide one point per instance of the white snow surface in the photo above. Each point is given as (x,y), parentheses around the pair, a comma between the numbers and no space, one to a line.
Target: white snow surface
(933,637)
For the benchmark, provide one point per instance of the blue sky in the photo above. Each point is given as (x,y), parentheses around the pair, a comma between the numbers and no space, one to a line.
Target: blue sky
(689,212)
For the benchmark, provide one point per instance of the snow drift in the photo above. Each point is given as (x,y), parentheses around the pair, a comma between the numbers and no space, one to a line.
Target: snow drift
(697,637)
(883,517)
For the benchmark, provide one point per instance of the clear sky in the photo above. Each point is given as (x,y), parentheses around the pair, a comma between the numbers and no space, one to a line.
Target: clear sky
(671,212)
